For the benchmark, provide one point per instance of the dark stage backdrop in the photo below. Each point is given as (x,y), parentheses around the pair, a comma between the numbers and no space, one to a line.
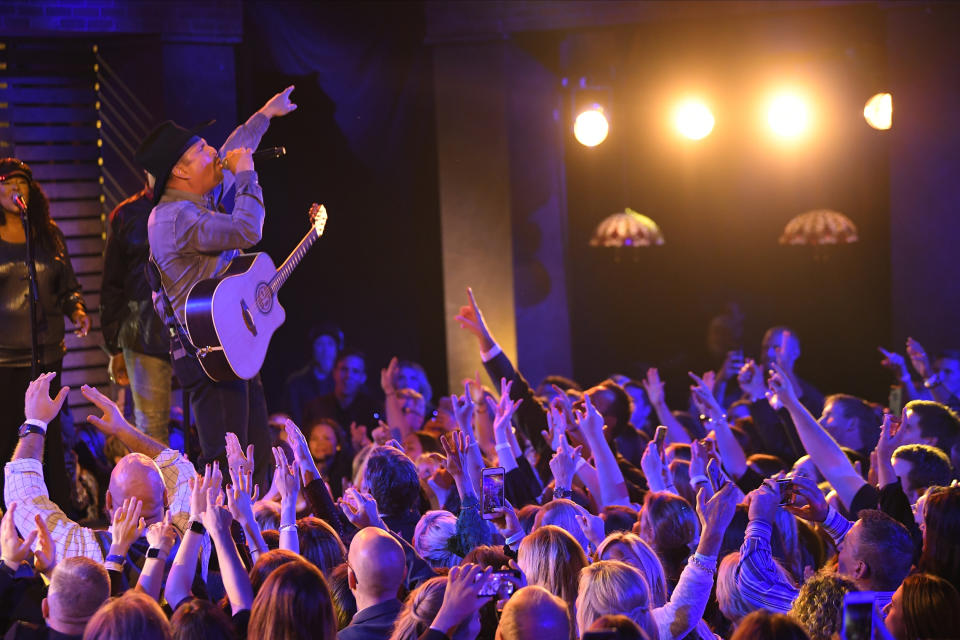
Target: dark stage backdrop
(723,202)
(363,143)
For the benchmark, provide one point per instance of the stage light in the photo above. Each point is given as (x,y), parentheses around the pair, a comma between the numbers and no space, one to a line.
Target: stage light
(878,111)
(693,120)
(788,115)
(591,126)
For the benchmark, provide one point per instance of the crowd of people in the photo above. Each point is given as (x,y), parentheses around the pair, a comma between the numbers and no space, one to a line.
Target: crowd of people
(742,515)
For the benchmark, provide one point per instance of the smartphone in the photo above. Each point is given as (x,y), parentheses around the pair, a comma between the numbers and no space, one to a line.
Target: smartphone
(492,489)
(861,617)
(715,475)
(661,439)
(786,490)
(500,584)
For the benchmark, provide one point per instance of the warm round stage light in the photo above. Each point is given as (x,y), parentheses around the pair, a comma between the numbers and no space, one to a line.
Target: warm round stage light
(788,115)
(591,127)
(878,111)
(693,120)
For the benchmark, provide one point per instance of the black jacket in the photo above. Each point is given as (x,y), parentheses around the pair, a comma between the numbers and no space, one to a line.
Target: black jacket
(127,315)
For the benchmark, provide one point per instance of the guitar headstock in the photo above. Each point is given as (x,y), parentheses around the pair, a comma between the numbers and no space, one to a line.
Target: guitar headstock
(318,217)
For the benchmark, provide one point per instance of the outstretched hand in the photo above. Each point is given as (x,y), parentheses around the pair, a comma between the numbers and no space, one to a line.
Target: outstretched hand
(461,598)
(505,408)
(13,550)
(112,420)
(360,509)
(653,386)
(37,403)
(455,446)
(782,387)
(919,358)
(563,464)
(471,319)
(895,363)
(279,105)
(807,501)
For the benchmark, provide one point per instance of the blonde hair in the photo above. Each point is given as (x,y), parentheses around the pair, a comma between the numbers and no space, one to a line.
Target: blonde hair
(551,558)
(563,513)
(732,604)
(647,563)
(132,615)
(419,609)
(612,587)
(433,537)
(819,605)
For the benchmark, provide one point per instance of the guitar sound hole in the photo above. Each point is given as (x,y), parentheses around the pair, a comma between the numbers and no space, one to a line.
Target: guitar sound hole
(264,297)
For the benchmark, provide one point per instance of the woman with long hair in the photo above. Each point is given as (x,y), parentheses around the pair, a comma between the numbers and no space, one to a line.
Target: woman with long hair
(924,606)
(59,295)
(614,587)
(941,535)
(551,558)
(670,526)
(293,603)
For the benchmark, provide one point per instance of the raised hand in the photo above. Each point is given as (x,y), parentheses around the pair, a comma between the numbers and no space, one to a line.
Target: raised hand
(45,555)
(703,393)
(285,476)
(895,363)
(750,380)
(653,386)
(301,453)
(918,358)
(589,420)
(388,375)
(505,408)
(382,434)
(808,501)
(781,386)
(506,521)
(360,509)
(698,463)
(127,526)
(716,512)
(556,427)
(112,420)
(731,365)
(592,527)
(763,502)
(471,319)
(237,462)
(162,535)
(13,550)
(217,519)
(37,403)
(461,598)
(563,464)
(279,105)
(656,472)
(199,485)
(455,445)
(240,498)
(463,409)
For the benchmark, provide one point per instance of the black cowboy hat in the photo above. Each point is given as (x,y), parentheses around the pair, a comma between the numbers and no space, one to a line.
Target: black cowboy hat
(161,150)
(10,167)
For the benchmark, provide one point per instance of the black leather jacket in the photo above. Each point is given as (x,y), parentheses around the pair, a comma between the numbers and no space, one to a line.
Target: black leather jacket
(127,316)
(59,297)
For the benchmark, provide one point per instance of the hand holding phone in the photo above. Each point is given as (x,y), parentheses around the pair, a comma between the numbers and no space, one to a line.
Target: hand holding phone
(660,438)
(786,490)
(492,498)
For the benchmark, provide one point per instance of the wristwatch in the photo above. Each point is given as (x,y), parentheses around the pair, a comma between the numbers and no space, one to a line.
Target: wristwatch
(26,428)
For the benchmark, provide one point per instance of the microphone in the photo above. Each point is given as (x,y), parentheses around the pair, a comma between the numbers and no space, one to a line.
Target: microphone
(270,153)
(18,200)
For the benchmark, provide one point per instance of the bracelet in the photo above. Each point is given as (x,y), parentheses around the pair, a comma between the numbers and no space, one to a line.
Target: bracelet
(698,479)
(115,559)
(36,422)
(697,561)
(197,527)
(514,539)
(559,494)
(288,527)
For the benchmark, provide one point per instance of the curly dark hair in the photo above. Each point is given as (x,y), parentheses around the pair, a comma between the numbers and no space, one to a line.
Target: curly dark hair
(43,230)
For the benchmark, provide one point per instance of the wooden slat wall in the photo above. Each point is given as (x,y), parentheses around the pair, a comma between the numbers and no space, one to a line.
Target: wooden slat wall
(49,119)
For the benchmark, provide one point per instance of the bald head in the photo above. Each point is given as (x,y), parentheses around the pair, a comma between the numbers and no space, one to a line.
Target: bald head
(533,613)
(77,589)
(137,476)
(378,563)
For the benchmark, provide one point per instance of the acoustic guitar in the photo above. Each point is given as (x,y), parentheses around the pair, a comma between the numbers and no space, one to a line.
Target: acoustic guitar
(232,317)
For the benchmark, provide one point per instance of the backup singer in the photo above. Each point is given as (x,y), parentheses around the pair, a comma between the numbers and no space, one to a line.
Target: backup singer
(60,296)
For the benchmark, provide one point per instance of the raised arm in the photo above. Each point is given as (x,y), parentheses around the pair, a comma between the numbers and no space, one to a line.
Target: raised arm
(236,582)
(112,423)
(287,480)
(463,409)
(731,453)
(184,566)
(654,388)
(503,412)
(613,486)
(823,449)
(161,536)
(313,484)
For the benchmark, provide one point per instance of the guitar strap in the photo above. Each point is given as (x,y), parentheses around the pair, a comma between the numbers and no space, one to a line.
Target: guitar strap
(183,353)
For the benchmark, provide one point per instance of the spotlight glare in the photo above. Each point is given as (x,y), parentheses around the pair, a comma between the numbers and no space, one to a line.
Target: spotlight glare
(788,116)
(878,111)
(591,127)
(693,120)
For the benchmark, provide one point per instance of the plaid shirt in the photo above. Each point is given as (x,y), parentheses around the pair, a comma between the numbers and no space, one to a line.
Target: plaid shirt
(25,486)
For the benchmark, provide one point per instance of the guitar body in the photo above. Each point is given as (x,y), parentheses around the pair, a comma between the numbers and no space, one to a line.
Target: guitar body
(231,318)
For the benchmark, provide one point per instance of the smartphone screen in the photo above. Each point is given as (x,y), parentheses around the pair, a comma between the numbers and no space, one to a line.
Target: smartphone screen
(786,490)
(499,585)
(661,439)
(492,489)
(860,615)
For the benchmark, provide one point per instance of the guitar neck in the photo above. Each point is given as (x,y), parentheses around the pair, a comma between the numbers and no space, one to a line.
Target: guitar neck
(293,260)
